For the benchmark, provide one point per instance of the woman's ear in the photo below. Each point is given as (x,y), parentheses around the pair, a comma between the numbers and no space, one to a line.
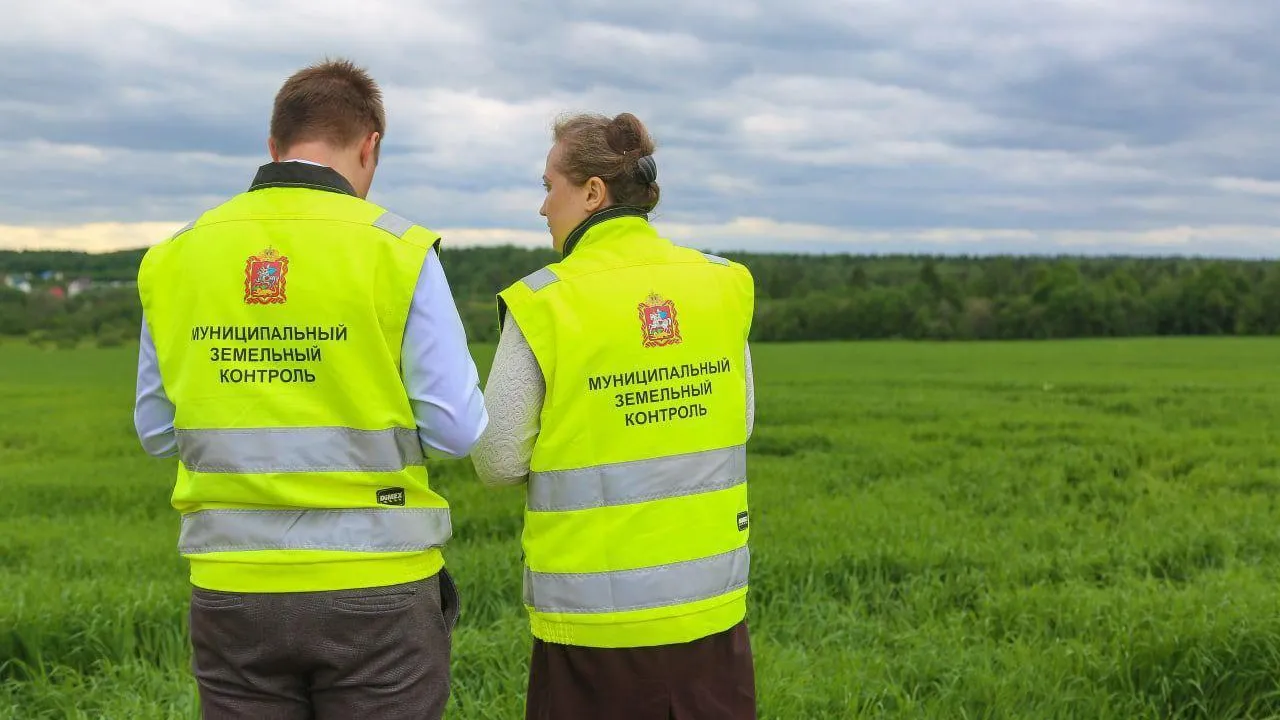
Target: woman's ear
(597,196)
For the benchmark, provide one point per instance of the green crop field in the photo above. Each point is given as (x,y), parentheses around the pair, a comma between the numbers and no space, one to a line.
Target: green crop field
(1040,530)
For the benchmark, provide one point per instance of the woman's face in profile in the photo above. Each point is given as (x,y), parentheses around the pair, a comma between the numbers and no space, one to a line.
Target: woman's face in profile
(564,206)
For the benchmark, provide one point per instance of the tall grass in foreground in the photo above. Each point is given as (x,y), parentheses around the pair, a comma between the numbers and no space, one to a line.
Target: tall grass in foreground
(1040,530)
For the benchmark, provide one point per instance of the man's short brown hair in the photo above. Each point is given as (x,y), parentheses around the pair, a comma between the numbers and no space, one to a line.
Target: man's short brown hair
(333,101)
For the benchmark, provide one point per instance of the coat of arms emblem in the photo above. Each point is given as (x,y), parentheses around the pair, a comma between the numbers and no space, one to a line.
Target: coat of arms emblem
(264,278)
(658,321)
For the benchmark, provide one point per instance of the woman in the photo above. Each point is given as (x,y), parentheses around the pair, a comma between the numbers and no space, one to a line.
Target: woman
(621,393)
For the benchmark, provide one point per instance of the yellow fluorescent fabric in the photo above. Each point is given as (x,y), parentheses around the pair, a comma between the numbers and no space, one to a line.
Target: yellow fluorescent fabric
(643,539)
(277,319)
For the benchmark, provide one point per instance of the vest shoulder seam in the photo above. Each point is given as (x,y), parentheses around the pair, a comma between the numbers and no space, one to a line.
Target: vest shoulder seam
(311,218)
(401,228)
(540,278)
(184,229)
(699,262)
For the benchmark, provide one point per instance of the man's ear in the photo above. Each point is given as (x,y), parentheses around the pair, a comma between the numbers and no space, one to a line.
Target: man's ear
(369,150)
(273,150)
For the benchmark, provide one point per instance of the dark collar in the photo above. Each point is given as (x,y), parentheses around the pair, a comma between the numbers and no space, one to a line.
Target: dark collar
(301,175)
(610,213)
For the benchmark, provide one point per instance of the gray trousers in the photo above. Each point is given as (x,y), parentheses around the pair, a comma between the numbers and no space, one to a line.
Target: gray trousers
(370,653)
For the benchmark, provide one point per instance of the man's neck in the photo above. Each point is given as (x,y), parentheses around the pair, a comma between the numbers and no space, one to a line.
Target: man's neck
(324,155)
(316,153)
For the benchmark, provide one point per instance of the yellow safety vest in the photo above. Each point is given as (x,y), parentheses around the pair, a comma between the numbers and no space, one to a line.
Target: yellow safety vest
(277,319)
(636,505)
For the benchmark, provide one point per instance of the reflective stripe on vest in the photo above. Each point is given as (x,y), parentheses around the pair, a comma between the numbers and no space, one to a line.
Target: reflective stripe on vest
(637,481)
(393,223)
(539,279)
(356,530)
(639,589)
(306,449)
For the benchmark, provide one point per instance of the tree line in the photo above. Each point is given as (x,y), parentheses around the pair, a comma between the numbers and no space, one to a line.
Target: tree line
(799,297)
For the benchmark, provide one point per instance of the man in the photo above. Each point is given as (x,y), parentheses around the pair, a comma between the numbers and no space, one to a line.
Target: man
(300,353)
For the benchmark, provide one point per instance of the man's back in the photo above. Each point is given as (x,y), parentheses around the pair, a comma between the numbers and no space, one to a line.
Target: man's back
(278,319)
(300,354)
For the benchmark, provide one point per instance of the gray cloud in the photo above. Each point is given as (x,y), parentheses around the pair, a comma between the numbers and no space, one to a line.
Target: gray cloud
(1005,125)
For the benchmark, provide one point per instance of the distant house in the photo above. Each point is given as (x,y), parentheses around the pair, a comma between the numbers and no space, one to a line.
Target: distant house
(58,292)
(51,276)
(78,286)
(18,282)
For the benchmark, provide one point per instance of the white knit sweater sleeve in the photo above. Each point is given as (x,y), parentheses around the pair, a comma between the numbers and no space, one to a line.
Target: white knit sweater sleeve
(513,397)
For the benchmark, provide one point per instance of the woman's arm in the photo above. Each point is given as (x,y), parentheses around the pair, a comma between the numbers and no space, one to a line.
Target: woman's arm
(513,397)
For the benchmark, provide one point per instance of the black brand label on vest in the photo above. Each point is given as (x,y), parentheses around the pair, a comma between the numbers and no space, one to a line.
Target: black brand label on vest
(742,520)
(391,496)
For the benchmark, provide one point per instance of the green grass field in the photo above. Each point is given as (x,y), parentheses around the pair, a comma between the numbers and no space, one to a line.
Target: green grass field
(1038,530)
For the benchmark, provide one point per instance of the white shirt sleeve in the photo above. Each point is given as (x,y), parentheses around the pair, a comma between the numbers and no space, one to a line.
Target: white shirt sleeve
(153,413)
(439,374)
(751,395)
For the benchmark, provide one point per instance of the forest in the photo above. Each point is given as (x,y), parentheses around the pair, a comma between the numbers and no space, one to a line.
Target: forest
(798,297)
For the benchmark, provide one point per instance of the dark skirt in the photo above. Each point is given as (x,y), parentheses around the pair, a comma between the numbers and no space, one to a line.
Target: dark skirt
(708,679)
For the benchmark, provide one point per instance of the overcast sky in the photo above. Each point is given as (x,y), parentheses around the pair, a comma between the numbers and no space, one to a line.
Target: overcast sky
(1079,126)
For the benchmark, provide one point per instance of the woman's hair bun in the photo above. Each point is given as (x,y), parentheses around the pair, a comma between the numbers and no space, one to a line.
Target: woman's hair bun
(626,135)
